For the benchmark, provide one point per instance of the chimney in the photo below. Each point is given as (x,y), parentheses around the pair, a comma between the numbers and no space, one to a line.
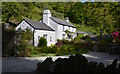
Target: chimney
(46,15)
(67,19)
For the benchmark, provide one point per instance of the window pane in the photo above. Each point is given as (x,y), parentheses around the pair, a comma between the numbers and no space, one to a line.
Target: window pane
(38,37)
(45,36)
(51,39)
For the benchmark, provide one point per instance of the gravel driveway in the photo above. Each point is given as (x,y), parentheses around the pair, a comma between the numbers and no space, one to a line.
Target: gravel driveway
(28,64)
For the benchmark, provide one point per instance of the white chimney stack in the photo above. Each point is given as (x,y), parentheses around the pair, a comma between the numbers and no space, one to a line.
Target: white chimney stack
(46,15)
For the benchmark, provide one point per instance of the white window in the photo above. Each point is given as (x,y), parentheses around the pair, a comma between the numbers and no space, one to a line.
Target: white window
(38,37)
(50,39)
(45,36)
(23,26)
(63,35)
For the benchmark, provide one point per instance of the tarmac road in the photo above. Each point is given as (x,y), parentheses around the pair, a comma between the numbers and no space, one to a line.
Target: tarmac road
(29,64)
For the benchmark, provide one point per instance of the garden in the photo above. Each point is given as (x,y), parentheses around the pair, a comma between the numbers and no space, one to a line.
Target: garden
(22,45)
(62,47)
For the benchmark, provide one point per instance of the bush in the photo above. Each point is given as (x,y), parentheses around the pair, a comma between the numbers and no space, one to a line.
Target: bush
(24,51)
(80,36)
(42,42)
(59,43)
(65,50)
(64,41)
(88,39)
(85,36)
(54,49)
(46,49)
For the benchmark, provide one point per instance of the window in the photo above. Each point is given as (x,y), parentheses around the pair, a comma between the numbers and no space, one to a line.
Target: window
(63,36)
(73,29)
(38,37)
(45,36)
(50,39)
(23,26)
(63,28)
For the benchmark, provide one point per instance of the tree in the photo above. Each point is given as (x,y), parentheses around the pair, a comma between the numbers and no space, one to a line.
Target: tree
(42,42)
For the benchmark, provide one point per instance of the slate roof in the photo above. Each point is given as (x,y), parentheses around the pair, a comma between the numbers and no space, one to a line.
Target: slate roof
(62,22)
(38,25)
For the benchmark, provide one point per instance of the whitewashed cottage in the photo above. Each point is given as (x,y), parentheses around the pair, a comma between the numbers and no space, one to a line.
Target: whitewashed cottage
(49,27)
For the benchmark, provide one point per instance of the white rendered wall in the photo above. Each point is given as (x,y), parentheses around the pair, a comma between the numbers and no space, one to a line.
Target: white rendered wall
(60,31)
(23,25)
(74,29)
(41,33)
(71,29)
(54,25)
(66,28)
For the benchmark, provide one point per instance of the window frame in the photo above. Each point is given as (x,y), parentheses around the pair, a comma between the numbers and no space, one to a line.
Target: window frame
(50,38)
(45,36)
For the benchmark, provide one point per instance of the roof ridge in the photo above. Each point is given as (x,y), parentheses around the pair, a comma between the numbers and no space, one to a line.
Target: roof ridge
(61,21)
(38,25)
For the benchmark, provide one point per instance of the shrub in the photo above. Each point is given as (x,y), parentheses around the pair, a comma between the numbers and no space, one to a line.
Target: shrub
(85,36)
(80,36)
(88,39)
(34,50)
(59,43)
(45,49)
(77,40)
(54,49)
(65,49)
(64,41)
(42,42)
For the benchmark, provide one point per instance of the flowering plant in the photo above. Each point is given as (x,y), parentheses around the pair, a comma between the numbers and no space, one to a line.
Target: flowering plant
(59,43)
(116,37)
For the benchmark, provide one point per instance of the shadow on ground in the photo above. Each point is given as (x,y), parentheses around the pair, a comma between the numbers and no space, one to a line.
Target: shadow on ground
(19,64)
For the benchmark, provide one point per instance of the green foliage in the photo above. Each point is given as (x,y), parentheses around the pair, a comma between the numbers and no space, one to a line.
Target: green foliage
(49,49)
(88,39)
(42,42)
(89,17)
(80,36)
(77,39)
(65,50)
(8,45)
(64,41)
(24,46)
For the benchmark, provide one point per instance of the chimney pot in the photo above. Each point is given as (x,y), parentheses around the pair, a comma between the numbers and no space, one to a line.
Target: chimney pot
(67,19)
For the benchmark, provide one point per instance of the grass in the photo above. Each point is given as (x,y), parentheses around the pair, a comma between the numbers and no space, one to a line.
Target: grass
(83,51)
(43,54)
